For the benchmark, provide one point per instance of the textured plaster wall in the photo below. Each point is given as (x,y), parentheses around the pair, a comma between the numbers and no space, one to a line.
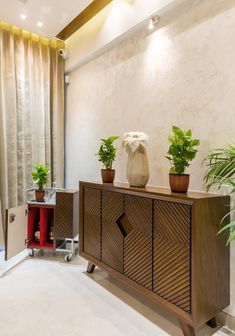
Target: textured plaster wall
(109,25)
(183,73)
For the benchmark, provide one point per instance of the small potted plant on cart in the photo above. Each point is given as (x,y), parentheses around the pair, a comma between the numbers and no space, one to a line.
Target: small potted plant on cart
(181,152)
(40,178)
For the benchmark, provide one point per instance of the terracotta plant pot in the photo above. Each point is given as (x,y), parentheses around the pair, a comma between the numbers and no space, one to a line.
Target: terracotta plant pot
(39,195)
(108,175)
(179,182)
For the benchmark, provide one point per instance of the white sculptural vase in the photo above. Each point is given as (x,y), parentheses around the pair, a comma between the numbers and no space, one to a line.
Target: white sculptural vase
(137,167)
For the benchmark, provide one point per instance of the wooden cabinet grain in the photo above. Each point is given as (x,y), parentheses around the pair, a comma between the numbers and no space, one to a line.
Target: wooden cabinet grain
(138,242)
(171,253)
(162,244)
(92,218)
(112,249)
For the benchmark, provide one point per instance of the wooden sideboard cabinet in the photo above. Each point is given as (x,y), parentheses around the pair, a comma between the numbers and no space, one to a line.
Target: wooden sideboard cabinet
(164,245)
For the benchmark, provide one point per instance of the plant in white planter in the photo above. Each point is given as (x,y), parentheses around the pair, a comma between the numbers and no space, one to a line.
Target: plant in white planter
(137,165)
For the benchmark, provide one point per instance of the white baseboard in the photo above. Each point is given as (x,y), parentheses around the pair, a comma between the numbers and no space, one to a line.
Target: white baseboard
(5,266)
(228,321)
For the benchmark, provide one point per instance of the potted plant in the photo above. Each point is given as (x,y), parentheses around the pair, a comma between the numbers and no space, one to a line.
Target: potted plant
(107,155)
(221,172)
(40,178)
(181,152)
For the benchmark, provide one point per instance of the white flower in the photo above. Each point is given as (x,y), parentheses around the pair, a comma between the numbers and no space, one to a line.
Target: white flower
(132,140)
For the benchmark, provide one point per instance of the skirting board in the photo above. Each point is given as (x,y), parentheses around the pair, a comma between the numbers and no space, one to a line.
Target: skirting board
(6,266)
(228,321)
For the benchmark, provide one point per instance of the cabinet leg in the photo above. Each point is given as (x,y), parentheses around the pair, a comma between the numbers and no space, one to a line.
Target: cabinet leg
(212,323)
(90,267)
(187,329)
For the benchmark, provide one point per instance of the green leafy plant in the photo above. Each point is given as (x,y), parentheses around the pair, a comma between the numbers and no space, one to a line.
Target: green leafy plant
(220,172)
(107,152)
(220,167)
(228,226)
(182,150)
(40,176)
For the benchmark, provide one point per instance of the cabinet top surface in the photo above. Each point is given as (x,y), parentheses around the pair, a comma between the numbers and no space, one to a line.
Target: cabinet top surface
(151,190)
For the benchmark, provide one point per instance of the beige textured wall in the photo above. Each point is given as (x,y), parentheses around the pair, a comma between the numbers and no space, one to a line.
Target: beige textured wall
(183,74)
(110,24)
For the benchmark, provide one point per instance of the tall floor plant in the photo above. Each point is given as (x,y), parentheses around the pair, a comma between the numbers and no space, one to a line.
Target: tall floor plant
(221,172)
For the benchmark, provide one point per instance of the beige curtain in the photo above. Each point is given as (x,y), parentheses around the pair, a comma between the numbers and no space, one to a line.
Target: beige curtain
(31,113)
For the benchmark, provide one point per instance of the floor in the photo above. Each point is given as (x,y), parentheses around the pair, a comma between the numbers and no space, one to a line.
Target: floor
(46,296)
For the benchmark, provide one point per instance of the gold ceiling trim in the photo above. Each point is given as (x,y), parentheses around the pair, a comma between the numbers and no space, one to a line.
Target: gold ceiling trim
(87,14)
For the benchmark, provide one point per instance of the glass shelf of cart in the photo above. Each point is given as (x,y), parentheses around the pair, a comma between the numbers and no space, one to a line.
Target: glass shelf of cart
(50,195)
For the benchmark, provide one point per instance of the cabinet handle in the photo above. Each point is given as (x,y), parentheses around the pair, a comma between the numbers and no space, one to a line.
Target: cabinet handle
(124,225)
(12,217)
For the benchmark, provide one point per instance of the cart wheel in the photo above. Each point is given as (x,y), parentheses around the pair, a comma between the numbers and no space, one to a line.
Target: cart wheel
(68,258)
(76,251)
(31,253)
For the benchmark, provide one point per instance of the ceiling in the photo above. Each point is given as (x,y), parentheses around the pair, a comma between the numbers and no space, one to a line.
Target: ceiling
(53,14)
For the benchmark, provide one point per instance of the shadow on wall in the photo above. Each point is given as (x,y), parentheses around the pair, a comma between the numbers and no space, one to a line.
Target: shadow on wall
(91,28)
(176,18)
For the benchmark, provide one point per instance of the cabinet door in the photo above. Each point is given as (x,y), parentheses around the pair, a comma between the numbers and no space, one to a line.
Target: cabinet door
(138,240)
(64,215)
(112,235)
(171,265)
(92,222)
(16,227)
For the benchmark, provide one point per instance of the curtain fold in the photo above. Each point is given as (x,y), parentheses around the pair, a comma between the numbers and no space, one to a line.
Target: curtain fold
(31,113)
(57,118)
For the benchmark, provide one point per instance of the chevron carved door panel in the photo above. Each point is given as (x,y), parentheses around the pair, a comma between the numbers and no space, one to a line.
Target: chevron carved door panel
(138,241)
(171,259)
(92,222)
(112,236)
(64,215)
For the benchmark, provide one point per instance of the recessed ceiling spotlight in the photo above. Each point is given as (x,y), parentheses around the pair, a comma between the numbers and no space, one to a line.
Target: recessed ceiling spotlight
(23,16)
(40,24)
(153,21)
